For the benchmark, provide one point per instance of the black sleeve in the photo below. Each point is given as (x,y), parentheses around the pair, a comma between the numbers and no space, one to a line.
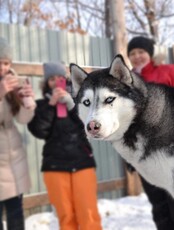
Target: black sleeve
(41,124)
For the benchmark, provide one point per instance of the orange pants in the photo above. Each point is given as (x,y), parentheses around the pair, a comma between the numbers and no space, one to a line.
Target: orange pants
(74,195)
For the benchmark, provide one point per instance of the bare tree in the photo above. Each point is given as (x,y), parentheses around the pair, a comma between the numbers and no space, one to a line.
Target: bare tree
(76,16)
(119,26)
(95,17)
(151,18)
(107,19)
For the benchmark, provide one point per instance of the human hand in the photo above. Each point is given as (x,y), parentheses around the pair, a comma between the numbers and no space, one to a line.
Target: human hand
(7,84)
(27,96)
(61,96)
(65,98)
(54,97)
(26,91)
(57,96)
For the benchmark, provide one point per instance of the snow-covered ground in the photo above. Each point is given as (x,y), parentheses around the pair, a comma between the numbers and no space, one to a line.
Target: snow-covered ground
(128,213)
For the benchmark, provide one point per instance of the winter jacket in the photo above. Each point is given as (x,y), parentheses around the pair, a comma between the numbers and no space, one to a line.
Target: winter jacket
(14,173)
(66,147)
(162,74)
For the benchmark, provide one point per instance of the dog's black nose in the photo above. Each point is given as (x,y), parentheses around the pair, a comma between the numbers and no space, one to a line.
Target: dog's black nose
(93,127)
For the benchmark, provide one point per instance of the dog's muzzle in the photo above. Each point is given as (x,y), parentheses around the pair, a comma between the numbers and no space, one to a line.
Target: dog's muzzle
(93,127)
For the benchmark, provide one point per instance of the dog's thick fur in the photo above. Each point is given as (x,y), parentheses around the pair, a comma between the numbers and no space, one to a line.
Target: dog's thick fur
(116,105)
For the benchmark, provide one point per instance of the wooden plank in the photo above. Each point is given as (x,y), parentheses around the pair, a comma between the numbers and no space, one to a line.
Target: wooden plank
(54,51)
(115,167)
(23,47)
(110,51)
(42,44)
(41,199)
(63,46)
(80,57)
(72,52)
(104,164)
(133,186)
(36,69)
(112,185)
(28,68)
(95,51)
(35,200)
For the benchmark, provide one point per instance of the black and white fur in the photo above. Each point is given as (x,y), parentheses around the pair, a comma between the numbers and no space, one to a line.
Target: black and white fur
(116,105)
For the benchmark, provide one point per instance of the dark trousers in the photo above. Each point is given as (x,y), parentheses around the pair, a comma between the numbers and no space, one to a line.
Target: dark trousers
(14,213)
(162,206)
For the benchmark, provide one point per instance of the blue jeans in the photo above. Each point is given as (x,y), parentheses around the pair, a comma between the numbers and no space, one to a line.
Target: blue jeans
(14,213)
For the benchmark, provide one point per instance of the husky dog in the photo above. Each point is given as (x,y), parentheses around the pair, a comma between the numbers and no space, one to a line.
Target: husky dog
(116,105)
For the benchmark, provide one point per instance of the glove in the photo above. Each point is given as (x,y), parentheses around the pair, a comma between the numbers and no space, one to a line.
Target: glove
(67,99)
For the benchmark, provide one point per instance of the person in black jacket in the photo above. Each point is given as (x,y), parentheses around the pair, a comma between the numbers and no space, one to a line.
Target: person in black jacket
(68,163)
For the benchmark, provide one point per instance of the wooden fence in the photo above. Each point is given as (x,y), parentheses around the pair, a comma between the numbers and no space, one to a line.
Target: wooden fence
(36,45)
(33,45)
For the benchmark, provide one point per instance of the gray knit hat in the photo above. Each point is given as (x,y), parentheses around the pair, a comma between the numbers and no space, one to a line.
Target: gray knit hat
(5,49)
(54,68)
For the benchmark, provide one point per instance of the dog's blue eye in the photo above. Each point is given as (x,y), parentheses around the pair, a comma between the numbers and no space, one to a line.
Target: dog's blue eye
(109,100)
(86,102)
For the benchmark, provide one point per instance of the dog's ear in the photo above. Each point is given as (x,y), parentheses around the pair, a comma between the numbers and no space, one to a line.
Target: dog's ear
(119,70)
(78,75)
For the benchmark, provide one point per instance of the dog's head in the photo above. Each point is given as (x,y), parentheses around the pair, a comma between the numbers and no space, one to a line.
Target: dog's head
(107,99)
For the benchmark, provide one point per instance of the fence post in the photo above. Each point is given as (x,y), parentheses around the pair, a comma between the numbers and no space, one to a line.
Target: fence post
(134,186)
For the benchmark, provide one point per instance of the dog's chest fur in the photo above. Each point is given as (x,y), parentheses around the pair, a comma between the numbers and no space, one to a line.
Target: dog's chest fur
(157,167)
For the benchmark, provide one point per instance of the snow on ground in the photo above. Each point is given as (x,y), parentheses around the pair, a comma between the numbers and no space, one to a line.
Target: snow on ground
(127,213)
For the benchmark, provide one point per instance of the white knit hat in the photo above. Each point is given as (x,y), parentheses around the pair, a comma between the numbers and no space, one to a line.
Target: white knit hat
(5,49)
(54,68)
